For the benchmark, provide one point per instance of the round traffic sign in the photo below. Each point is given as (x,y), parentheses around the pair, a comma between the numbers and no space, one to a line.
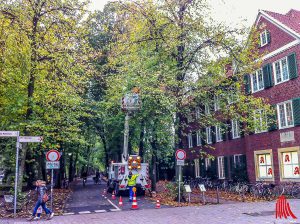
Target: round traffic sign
(53,155)
(180,154)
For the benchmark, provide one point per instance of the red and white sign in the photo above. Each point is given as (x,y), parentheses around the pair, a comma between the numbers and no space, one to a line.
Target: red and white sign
(53,155)
(180,154)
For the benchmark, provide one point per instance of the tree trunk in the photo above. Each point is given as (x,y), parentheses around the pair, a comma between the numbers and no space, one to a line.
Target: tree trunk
(141,145)
(153,162)
(71,172)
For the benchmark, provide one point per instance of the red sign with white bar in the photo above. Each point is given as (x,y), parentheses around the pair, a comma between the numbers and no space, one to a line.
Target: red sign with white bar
(53,155)
(180,154)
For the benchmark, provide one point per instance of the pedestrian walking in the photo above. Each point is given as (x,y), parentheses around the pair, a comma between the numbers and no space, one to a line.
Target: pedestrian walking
(43,197)
(131,184)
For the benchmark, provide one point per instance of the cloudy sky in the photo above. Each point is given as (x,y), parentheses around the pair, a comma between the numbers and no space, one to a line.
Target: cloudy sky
(235,12)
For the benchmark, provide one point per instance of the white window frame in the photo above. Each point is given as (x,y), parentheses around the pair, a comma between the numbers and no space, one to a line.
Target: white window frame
(221,167)
(235,129)
(237,159)
(207,163)
(263,41)
(208,135)
(281,70)
(267,166)
(256,74)
(198,135)
(197,112)
(262,118)
(216,103)
(281,158)
(207,109)
(190,140)
(197,167)
(285,113)
(218,133)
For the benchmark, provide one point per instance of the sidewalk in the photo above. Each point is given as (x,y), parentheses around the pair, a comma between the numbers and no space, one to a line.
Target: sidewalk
(237,213)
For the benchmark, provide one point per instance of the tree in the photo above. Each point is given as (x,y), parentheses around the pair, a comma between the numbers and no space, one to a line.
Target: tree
(49,63)
(176,54)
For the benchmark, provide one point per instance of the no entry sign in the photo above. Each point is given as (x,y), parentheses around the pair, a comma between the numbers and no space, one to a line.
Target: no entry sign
(180,154)
(53,155)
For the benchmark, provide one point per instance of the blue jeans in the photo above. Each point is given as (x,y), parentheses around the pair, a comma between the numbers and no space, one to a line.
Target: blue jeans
(130,193)
(38,204)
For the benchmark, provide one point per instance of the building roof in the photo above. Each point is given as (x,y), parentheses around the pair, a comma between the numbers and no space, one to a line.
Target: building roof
(290,19)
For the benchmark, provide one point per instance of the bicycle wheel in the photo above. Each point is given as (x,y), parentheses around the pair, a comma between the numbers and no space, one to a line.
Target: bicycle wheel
(295,191)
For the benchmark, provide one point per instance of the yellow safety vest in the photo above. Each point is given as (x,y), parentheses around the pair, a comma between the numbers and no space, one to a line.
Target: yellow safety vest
(132,180)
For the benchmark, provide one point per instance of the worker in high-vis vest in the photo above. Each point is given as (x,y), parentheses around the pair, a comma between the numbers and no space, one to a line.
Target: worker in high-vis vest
(131,184)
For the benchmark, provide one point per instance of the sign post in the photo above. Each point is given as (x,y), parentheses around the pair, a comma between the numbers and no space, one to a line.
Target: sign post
(180,156)
(16,176)
(203,190)
(18,147)
(52,157)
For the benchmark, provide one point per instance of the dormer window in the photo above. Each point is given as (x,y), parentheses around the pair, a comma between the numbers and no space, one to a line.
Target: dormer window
(264,38)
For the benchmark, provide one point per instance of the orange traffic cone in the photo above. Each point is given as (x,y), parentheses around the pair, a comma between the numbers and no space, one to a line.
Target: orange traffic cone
(157,204)
(113,196)
(120,201)
(134,203)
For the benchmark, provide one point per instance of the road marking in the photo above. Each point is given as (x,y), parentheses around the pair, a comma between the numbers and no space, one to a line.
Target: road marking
(69,213)
(117,208)
(100,211)
(84,212)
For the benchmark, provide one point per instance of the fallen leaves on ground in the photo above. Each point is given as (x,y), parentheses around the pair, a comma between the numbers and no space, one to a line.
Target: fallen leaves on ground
(166,197)
(59,199)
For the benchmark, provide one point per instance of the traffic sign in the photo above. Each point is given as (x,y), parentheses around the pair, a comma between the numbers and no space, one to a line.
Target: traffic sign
(188,189)
(53,155)
(50,165)
(180,154)
(9,133)
(202,187)
(180,162)
(30,139)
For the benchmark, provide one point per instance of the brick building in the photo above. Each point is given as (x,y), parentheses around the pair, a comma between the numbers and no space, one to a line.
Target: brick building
(272,152)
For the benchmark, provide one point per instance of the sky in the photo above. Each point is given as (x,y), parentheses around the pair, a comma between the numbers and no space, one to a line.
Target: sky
(235,12)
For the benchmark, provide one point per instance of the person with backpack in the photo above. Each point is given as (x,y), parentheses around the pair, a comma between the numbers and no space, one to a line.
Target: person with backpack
(43,197)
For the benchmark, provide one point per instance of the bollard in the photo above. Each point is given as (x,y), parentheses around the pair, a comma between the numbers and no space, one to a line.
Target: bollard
(203,198)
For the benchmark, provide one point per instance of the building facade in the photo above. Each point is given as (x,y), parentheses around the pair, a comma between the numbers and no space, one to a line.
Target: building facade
(272,153)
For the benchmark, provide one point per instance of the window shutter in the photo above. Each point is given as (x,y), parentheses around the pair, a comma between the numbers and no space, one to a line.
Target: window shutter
(243,161)
(296,111)
(247,83)
(203,136)
(224,132)
(213,134)
(268,37)
(229,131)
(194,138)
(202,168)
(226,167)
(214,168)
(231,165)
(292,62)
(241,126)
(267,74)
(272,119)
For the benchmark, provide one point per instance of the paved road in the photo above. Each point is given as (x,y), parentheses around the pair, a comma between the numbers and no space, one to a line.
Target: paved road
(238,213)
(88,199)
(93,199)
